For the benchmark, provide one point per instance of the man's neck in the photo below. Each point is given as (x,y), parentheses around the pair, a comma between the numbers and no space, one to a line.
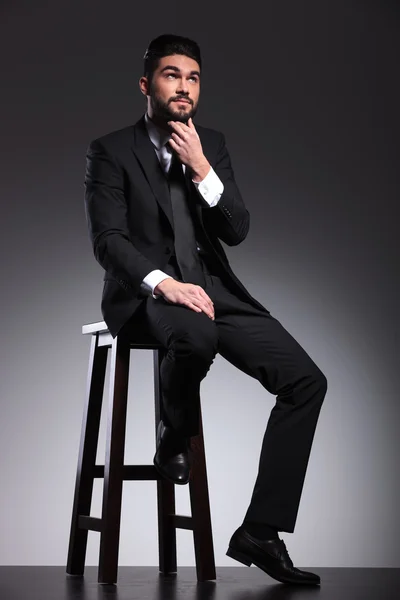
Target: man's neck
(160,123)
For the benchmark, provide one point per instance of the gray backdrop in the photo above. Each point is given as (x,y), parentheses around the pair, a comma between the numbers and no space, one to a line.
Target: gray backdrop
(307,96)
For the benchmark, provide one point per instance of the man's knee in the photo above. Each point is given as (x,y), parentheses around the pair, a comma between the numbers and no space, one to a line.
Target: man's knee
(322,382)
(198,344)
(315,377)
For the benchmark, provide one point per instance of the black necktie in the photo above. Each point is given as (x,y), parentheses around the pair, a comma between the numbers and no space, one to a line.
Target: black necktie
(184,231)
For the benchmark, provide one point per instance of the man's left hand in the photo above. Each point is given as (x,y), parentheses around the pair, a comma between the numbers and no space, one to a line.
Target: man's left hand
(186,143)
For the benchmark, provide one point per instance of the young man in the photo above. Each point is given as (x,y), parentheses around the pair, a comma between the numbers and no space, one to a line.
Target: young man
(160,195)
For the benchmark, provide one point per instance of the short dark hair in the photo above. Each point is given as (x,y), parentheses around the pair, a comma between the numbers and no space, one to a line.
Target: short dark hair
(165,45)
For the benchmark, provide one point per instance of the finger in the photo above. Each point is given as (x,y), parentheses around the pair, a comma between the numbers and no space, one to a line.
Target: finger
(201,302)
(205,295)
(183,134)
(194,307)
(178,137)
(175,137)
(199,307)
(177,125)
(182,125)
(209,310)
(174,145)
(208,301)
(206,311)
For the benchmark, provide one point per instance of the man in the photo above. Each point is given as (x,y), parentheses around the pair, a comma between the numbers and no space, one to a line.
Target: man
(160,195)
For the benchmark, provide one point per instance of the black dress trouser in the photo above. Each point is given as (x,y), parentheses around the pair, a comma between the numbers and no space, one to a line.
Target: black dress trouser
(257,344)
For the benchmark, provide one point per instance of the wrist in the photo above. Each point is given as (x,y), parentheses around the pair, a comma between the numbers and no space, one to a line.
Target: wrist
(200,171)
(160,287)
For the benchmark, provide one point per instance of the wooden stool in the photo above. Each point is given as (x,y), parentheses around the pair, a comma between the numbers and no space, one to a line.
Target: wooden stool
(115,472)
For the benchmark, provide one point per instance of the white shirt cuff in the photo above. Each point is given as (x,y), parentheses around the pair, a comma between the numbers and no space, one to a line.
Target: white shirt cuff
(211,187)
(152,280)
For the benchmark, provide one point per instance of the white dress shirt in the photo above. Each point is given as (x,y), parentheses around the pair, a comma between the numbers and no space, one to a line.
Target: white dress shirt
(210,188)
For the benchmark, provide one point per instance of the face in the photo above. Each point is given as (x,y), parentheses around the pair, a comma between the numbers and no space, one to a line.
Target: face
(175,89)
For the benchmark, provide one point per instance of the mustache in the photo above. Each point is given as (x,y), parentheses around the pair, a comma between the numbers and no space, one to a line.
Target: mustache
(181,98)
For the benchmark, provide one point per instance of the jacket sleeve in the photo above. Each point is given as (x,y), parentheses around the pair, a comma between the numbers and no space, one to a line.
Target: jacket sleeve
(106,214)
(228,219)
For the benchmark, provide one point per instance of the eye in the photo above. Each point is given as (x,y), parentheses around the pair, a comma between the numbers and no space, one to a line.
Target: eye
(170,75)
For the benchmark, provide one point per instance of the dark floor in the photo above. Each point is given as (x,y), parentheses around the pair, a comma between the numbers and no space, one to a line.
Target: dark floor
(233,583)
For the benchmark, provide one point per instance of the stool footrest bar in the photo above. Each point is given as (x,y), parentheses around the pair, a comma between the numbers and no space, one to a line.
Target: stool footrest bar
(132,472)
(90,523)
(182,521)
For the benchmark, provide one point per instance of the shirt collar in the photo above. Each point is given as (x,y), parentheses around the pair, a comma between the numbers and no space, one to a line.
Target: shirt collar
(157,135)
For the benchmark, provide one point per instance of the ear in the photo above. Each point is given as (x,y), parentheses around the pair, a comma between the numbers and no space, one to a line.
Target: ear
(144,85)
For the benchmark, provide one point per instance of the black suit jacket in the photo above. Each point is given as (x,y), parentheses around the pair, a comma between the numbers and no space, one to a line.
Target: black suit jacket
(129,215)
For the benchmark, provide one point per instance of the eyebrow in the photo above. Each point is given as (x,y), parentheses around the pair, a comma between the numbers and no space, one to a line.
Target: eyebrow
(177,70)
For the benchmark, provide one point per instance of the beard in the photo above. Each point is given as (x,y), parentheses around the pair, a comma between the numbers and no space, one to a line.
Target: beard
(163,110)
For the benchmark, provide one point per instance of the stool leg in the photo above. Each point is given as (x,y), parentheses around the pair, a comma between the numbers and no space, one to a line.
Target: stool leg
(87,456)
(165,490)
(114,462)
(200,506)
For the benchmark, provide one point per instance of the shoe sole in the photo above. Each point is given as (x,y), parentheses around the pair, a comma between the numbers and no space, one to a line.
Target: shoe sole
(246,561)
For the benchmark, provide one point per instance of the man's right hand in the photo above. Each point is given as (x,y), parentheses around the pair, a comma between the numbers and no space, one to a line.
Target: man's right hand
(188,294)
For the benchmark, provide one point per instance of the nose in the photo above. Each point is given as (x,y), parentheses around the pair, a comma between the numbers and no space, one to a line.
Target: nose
(183,86)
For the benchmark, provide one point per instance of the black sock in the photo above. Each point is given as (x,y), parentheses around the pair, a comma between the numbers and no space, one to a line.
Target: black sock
(261,531)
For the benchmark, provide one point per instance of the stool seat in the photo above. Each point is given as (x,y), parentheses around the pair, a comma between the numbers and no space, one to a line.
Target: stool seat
(114,471)
(141,337)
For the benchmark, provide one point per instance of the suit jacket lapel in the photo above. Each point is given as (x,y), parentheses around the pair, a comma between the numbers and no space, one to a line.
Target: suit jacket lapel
(144,150)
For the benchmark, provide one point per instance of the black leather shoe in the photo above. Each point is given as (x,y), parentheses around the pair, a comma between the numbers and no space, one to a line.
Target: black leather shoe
(269,555)
(173,455)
